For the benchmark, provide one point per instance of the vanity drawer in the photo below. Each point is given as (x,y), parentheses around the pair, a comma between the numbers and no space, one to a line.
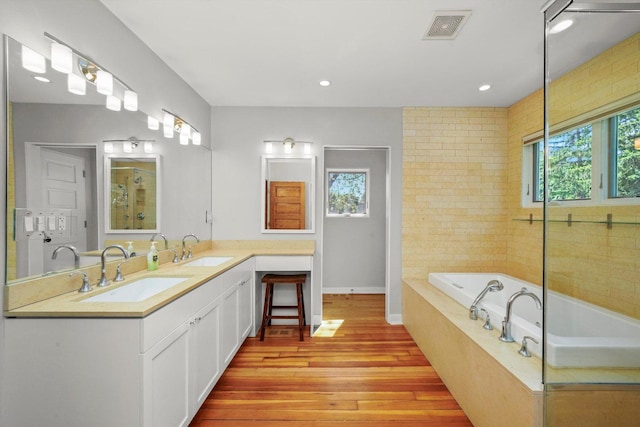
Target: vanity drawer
(284,263)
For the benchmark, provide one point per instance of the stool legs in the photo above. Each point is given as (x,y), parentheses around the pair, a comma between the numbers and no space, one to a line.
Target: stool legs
(301,318)
(267,311)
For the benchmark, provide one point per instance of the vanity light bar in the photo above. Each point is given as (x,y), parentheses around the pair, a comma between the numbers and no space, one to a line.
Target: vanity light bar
(62,55)
(129,144)
(288,145)
(172,122)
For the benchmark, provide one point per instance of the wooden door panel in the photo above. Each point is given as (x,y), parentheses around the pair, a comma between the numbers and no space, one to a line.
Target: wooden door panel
(287,205)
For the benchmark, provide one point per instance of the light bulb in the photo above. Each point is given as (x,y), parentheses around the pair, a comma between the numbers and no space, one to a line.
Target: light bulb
(127,147)
(108,147)
(561,26)
(130,100)
(268,148)
(148,147)
(33,61)
(153,123)
(61,58)
(196,138)
(307,148)
(184,139)
(76,84)
(288,146)
(185,130)
(167,123)
(104,82)
(113,103)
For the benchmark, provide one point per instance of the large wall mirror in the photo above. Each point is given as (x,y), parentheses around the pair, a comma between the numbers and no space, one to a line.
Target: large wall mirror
(288,194)
(62,187)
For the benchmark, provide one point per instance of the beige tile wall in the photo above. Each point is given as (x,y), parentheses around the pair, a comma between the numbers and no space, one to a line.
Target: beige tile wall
(462,170)
(524,245)
(454,190)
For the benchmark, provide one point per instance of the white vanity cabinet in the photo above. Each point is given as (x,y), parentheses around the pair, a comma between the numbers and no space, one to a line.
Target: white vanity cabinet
(152,371)
(182,368)
(237,312)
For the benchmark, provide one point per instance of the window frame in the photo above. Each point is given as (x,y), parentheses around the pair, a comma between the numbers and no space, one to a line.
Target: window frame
(367,173)
(601,151)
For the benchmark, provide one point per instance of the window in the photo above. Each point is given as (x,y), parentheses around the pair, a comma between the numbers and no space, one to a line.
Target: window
(595,161)
(624,155)
(347,192)
(569,165)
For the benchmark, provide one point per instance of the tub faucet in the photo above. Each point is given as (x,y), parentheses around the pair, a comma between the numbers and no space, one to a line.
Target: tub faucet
(103,259)
(492,286)
(184,252)
(76,255)
(505,336)
(166,243)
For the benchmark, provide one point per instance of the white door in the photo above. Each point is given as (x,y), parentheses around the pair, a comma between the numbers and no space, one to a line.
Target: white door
(56,180)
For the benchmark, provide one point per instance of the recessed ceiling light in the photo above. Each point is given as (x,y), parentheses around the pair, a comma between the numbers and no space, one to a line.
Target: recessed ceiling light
(561,26)
(42,79)
(325,83)
(484,88)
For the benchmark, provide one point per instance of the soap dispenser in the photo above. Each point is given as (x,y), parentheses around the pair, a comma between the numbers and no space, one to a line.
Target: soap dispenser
(130,249)
(152,258)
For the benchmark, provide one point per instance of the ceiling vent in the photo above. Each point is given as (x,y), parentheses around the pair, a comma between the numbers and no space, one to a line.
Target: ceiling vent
(446,24)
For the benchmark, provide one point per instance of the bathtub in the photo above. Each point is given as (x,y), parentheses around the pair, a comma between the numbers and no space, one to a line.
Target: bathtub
(581,335)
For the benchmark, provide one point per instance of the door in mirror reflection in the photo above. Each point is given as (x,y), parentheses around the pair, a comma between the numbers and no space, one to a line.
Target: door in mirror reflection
(286,205)
(132,194)
(288,194)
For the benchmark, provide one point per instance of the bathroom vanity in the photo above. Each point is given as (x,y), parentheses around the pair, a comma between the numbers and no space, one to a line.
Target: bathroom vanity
(146,363)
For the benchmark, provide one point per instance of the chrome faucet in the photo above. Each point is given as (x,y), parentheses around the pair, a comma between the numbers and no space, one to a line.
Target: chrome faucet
(184,252)
(524,351)
(76,255)
(505,336)
(86,286)
(103,278)
(492,286)
(166,243)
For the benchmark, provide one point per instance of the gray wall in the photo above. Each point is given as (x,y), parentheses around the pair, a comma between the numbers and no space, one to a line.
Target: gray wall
(354,248)
(90,28)
(237,142)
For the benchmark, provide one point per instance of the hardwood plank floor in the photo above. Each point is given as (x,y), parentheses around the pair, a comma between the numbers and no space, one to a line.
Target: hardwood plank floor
(356,371)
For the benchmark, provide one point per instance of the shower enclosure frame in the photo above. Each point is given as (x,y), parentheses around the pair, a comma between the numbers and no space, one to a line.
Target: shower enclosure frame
(578,402)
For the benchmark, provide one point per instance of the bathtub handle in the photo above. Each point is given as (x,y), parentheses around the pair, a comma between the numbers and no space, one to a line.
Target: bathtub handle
(487,320)
(524,351)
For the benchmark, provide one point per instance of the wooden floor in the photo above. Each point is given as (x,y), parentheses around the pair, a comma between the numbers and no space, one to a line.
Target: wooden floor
(357,370)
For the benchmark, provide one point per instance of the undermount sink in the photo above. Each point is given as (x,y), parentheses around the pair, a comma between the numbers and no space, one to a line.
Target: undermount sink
(138,290)
(208,261)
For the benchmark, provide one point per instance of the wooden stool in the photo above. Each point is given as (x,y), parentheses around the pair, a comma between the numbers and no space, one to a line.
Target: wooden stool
(284,279)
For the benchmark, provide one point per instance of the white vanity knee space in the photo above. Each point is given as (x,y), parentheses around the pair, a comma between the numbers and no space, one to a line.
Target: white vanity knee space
(152,371)
(284,264)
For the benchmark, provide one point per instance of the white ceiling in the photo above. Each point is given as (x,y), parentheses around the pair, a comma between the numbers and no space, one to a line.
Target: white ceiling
(275,52)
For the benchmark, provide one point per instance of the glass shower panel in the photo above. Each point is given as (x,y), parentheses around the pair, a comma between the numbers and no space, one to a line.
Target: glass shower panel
(591,362)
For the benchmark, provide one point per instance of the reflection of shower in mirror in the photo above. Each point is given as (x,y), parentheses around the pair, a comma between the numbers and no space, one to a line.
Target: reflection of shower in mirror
(131,204)
(119,194)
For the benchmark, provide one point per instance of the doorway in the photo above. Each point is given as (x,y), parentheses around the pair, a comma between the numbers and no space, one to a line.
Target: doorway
(355,254)
(60,178)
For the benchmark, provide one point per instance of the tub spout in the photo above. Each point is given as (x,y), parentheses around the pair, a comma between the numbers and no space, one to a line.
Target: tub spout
(505,336)
(492,286)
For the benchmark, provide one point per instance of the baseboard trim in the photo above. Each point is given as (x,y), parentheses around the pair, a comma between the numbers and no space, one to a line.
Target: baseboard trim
(395,319)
